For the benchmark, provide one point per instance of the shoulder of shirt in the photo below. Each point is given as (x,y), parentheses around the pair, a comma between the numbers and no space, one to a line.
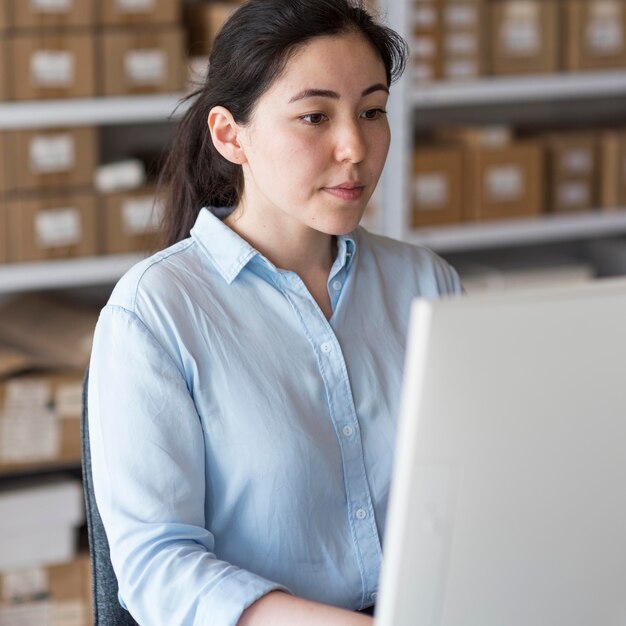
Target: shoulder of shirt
(165,272)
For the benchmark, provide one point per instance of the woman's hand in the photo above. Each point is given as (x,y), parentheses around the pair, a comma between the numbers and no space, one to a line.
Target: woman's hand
(281,609)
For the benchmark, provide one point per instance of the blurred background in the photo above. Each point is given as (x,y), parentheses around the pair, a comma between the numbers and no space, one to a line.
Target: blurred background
(508,158)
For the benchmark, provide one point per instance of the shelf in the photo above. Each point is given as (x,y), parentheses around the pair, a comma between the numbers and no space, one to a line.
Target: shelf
(502,90)
(85,112)
(527,231)
(39,467)
(79,272)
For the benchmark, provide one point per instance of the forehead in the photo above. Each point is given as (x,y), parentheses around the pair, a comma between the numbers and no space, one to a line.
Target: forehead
(344,63)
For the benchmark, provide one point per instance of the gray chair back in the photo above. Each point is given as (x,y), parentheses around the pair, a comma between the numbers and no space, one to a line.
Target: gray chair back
(107,610)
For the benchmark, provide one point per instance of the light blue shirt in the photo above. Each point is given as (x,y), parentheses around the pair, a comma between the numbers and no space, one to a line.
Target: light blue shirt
(241,442)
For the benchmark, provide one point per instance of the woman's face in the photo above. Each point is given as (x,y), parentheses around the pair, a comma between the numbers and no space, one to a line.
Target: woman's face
(318,138)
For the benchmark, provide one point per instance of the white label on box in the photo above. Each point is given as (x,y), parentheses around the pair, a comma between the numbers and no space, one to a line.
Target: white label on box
(50,154)
(521,38)
(605,37)
(26,614)
(425,16)
(505,183)
(24,585)
(574,194)
(27,394)
(31,436)
(141,216)
(145,67)
(424,47)
(461,16)
(51,6)
(67,613)
(462,68)
(431,191)
(461,43)
(56,228)
(132,6)
(52,68)
(577,161)
(68,400)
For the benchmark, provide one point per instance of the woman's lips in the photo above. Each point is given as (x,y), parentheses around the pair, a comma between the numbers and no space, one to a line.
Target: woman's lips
(346,193)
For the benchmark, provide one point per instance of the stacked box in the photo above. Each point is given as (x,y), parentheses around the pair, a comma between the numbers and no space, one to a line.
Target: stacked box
(437,186)
(596,34)
(132,221)
(52,158)
(525,36)
(426,45)
(613,156)
(52,227)
(204,21)
(463,44)
(572,164)
(51,65)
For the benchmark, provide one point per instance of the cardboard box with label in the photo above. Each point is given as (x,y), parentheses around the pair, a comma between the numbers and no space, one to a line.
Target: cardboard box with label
(53,65)
(136,12)
(596,34)
(572,166)
(142,61)
(51,13)
(426,56)
(613,160)
(504,182)
(203,22)
(52,158)
(52,227)
(131,221)
(525,36)
(5,90)
(437,186)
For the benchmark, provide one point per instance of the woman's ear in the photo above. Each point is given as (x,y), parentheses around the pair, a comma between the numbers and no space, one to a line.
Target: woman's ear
(225,135)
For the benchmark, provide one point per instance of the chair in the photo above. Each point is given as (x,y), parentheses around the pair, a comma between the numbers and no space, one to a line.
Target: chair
(107,610)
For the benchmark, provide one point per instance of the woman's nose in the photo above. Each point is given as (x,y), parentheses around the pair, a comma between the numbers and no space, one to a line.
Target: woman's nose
(350,144)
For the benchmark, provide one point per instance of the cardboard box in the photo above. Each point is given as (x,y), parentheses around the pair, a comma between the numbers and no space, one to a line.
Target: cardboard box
(52,158)
(4,163)
(572,165)
(52,227)
(596,34)
(4,17)
(51,13)
(131,222)
(53,65)
(203,22)
(136,12)
(504,182)
(613,163)
(525,36)
(5,91)
(4,256)
(437,186)
(142,61)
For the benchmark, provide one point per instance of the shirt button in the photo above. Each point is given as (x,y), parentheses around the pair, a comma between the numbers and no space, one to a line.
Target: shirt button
(337,285)
(361,514)
(326,347)
(347,431)
(374,596)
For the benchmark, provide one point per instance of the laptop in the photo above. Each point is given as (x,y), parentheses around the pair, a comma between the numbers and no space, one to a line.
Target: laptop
(508,499)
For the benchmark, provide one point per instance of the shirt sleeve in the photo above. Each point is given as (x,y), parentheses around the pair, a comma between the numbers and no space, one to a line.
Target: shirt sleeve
(147,446)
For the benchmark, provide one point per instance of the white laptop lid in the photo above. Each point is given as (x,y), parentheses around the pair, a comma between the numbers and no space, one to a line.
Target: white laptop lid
(508,502)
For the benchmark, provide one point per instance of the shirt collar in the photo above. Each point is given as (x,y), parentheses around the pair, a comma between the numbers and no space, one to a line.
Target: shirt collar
(230,253)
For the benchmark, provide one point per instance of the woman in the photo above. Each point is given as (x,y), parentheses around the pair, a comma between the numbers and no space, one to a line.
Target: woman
(244,381)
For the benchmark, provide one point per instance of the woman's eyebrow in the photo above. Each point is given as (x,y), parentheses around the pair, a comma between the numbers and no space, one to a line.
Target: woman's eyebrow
(326,93)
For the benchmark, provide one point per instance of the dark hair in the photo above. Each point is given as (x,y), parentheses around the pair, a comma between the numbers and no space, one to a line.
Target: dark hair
(248,55)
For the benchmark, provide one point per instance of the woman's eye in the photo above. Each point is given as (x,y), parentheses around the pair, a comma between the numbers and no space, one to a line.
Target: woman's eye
(314,119)
(374,114)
